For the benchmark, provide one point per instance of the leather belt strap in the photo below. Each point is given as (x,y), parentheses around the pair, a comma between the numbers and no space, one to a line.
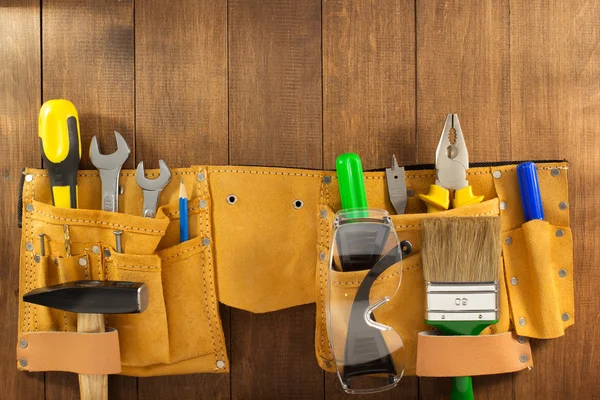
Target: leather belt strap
(81,353)
(439,356)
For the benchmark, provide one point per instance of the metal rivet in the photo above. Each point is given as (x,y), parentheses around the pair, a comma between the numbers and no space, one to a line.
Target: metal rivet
(443,317)
(83,261)
(497,174)
(28,178)
(205,241)
(562,273)
(560,233)
(323,213)
(36,258)
(220,364)
(322,256)
(522,339)
(23,362)
(524,358)
(29,246)
(555,172)
(563,205)
(121,190)
(231,199)
(23,343)
(327,179)
(298,204)
(503,205)
(410,192)
(565,317)
(203,204)
(514,281)
(96,249)
(508,240)
(480,316)
(106,252)
(522,321)
(200,176)
(29,207)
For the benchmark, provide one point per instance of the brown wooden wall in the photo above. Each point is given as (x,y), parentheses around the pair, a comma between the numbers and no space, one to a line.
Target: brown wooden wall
(295,83)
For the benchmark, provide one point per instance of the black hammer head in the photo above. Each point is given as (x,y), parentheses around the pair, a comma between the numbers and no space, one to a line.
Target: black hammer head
(92,297)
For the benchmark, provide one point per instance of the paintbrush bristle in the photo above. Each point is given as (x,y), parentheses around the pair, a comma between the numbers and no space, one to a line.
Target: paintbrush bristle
(461,249)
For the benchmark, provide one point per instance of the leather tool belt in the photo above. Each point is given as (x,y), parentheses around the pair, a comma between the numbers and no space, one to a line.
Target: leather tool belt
(258,237)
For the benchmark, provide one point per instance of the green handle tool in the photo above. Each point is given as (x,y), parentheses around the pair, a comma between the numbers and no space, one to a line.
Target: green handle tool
(351,182)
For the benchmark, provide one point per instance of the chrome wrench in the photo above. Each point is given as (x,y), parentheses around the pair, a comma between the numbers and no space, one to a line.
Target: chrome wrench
(109,166)
(152,187)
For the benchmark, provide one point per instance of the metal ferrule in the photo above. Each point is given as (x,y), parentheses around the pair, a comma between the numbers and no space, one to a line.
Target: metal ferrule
(462,301)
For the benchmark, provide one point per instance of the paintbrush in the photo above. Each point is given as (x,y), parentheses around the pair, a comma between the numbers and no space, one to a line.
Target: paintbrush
(461,262)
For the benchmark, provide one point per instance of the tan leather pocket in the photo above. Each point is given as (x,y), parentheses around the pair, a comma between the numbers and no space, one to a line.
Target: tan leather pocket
(143,337)
(539,275)
(405,312)
(191,303)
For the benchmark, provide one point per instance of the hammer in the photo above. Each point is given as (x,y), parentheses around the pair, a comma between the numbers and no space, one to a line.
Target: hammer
(91,299)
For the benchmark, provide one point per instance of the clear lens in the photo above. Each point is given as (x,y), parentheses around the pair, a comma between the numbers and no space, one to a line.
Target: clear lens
(364,274)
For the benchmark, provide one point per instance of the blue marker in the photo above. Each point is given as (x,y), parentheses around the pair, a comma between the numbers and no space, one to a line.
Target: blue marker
(184,230)
(530,191)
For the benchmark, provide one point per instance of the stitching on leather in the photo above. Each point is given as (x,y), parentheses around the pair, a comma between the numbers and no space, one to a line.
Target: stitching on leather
(30,256)
(126,174)
(182,252)
(206,232)
(417,265)
(136,266)
(86,251)
(407,226)
(321,273)
(213,300)
(177,212)
(212,336)
(243,171)
(287,173)
(26,305)
(98,223)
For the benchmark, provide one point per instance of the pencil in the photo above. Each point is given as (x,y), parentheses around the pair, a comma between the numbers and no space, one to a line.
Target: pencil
(184,231)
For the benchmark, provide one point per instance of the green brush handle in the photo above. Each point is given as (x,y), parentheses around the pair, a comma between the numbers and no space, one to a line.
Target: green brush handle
(462,388)
(351,181)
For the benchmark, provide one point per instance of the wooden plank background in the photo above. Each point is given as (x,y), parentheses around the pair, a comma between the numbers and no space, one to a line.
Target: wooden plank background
(294,83)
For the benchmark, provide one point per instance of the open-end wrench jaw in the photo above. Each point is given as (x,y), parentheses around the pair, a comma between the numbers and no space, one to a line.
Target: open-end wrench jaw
(109,167)
(152,187)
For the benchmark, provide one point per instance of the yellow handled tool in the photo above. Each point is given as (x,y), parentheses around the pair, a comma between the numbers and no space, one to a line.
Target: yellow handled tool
(451,164)
(60,142)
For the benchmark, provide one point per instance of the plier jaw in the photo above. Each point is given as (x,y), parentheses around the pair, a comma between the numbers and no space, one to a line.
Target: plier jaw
(451,165)
(451,156)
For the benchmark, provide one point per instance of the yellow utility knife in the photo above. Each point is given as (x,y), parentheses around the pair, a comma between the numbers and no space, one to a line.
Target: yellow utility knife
(60,142)
(451,165)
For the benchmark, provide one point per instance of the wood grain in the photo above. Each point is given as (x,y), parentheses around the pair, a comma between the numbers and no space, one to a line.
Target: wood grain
(275,82)
(295,83)
(555,70)
(87,58)
(369,80)
(181,117)
(181,82)
(20,87)
(369,97)
(275,119)
(463,67)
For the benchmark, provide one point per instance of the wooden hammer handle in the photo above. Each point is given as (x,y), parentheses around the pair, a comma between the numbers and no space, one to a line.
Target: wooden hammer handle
(92,387)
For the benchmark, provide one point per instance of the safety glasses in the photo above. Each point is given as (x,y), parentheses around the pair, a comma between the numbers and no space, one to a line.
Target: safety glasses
(365,271)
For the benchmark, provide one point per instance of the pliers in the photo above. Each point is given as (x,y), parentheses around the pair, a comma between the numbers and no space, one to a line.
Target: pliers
(451,164)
